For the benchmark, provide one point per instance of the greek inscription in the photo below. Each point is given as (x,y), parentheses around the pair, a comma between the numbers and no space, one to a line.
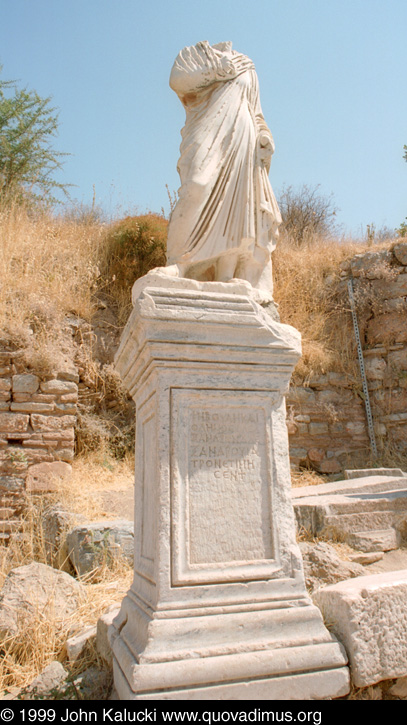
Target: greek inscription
(228,495)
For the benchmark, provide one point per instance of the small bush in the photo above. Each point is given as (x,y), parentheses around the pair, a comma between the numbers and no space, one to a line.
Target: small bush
(133,247)
(306,214)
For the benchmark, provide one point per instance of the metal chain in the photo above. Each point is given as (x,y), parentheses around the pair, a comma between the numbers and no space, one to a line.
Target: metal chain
(370,425)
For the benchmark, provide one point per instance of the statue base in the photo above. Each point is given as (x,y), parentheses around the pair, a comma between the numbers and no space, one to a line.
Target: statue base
(218,608)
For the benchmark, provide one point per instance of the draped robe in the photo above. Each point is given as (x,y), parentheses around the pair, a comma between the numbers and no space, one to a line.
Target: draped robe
(226,203)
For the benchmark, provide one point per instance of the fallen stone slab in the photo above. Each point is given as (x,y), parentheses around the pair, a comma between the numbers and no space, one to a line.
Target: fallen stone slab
(367,472)
(367,520)
(368,615)
(100,543)
(76,645)
(362,485)
(367,558)
(37,591)
(371,541)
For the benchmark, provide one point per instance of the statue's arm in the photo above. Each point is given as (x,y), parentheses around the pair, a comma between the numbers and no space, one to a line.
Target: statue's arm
(265,141)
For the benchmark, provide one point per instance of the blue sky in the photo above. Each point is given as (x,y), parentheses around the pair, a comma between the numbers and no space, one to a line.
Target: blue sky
(332,77)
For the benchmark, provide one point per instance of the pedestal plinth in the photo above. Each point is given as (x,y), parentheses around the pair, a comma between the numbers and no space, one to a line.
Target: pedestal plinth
(218,607)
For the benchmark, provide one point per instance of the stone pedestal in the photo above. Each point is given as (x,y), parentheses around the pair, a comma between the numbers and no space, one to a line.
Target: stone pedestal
(218,608)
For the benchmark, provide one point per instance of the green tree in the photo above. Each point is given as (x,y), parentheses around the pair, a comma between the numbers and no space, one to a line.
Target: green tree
(28,125)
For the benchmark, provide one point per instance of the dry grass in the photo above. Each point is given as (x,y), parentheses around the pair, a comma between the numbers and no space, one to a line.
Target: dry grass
(42,639)
(92,476)
(307,478)
(313,298)
(48,268)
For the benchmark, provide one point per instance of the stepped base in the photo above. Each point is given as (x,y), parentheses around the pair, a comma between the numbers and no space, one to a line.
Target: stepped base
(278,653)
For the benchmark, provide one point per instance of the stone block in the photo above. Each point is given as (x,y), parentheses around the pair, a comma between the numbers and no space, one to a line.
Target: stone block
(355,427)
(371,541)
(400,252)
(367,472)
(37,591)
(100,543)
(317,429)
(59,387)
(208,542)
(14,422)
(25,383)
(389,289)
(47,423)
(368,615)
(44,685)
(30,407)
(387,328)
(46,477)
(5,385)
(371,264)
(375,368)
(331,465)
(76,645)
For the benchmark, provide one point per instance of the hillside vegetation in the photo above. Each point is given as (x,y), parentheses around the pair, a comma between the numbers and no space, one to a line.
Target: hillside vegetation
(52,267)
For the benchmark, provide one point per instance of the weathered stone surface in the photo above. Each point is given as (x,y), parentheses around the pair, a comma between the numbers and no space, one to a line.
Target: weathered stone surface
(14,423)
(399,689)
(379,540)
(12,484)
(30,407)
(203,536)
(322,565)
(56,522)
(97,543)
(398,359)
(51,423)
(46,477)
(76,645)
(375,368)
(389,289)
(59,387)
(387,328)
(25,383)
(36,590)
(94,684)
(103,647)
(400,252)
(355,427)
(367,558)
(368,615)
(368,472)
(370,264)
(51,679)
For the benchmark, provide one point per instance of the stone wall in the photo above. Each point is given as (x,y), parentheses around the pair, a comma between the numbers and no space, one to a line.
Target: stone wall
(37,423)
(326,417)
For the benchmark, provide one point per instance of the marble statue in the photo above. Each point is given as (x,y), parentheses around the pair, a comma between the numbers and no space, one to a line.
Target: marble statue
(225,223)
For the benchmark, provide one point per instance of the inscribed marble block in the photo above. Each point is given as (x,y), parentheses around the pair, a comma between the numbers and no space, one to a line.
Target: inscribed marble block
(218,607)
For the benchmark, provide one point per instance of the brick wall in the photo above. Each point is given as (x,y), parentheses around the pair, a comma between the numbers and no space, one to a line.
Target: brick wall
(326,417)
(37,425)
